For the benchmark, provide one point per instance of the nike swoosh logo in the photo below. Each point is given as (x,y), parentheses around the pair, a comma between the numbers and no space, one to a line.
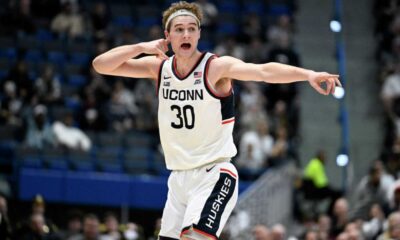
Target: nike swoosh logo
(165,77)
(209,169)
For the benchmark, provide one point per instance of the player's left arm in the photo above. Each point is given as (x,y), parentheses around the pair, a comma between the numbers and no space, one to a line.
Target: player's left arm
(229,67)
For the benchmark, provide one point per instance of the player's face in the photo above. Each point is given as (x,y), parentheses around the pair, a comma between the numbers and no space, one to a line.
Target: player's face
(184,35)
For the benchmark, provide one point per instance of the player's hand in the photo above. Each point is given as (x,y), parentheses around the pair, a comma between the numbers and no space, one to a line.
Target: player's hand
(331,80)
(157,47)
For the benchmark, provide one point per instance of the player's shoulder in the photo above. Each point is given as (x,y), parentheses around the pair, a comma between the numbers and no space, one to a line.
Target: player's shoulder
(222,61)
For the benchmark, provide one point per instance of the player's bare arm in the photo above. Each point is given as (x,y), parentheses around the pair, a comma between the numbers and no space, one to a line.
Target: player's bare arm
(120,61)
(229,67)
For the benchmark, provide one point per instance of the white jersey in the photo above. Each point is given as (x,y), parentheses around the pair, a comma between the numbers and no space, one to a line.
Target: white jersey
(195,123)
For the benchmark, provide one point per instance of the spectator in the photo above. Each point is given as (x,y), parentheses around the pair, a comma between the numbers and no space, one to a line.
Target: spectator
(5,225)
(373,227)
(394,196)
(146,117)
(134,232)
(324,226)
(311,235)
(112,231)
(316,183)
(252,28)
(126,36)
(39,133)
(255,147)
(210,14)
(68,24)
(100,20)
(74,225)
(39,207)
(19,75)
(90,229)
(92,120)
(155,32)
(280,148)
(48,87)
(261,232)
(230,47)
(340,216)
(19,19)
(393,227)
(37,229)
(10,106)
(256,51)
(281,29)
(69,136)
(278,232)
(391,89)
(122,107)
(370,190)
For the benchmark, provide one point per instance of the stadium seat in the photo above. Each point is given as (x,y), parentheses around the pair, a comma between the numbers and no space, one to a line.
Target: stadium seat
(123,21)
(44,35)
(81,161)
(79,58)
(29,157)
(9,53)
(108,160)
(136,160)
(34,55)
(138,139)
(77,80)
(109,140)
(55,158)
(56,57)
(72,103)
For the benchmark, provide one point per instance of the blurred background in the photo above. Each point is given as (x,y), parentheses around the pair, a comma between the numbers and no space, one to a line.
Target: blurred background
(80,156)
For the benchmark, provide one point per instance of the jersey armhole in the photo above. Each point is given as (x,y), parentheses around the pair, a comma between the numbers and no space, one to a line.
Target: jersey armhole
(208,86)
(158,80)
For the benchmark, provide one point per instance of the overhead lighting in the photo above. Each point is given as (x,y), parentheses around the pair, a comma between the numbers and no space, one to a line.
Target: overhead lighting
(339,92)
(336,26)
(342,160)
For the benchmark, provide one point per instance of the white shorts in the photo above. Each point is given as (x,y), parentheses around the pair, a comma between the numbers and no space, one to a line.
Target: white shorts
(200,199)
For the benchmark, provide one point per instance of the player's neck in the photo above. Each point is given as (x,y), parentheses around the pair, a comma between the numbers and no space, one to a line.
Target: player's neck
(185,64)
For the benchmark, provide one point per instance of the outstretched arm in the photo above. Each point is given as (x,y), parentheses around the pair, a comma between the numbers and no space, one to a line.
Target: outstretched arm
(119,61)
(229,67)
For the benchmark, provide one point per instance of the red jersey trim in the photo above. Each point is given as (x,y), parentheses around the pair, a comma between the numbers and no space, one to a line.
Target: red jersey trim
(228,171)
(200,232)
(226,121)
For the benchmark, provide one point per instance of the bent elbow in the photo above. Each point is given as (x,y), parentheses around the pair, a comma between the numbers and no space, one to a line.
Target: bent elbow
(97,66)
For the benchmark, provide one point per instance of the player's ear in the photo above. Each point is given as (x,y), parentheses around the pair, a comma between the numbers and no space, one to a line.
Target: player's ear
(166,34)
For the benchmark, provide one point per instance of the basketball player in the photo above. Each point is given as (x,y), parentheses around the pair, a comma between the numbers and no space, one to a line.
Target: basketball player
(196,117)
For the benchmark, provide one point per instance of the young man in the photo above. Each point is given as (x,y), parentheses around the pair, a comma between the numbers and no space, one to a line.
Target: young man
(196,117)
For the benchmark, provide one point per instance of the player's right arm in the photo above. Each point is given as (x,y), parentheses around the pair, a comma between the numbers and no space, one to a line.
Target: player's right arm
(120,61)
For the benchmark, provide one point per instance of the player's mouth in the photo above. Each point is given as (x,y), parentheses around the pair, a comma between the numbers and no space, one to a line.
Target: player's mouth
(186,46)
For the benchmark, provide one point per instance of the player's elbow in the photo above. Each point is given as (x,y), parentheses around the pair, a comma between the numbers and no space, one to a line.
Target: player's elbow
(101,66)
(96,64)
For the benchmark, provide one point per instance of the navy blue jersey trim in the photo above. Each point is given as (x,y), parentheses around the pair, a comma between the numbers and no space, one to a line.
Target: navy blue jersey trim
(227,107)
(166,238)
(159,77)
(210,218)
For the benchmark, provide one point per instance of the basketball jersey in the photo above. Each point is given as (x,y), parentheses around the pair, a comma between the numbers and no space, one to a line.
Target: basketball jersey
(195,123)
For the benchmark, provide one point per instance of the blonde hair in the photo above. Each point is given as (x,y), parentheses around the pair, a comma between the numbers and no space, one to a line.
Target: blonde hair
(191,7)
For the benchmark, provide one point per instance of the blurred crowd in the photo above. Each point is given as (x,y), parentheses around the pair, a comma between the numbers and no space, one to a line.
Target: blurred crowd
(50,96)
(78,225)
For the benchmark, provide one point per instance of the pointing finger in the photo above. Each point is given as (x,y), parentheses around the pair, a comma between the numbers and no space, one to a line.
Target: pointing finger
(338,82)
